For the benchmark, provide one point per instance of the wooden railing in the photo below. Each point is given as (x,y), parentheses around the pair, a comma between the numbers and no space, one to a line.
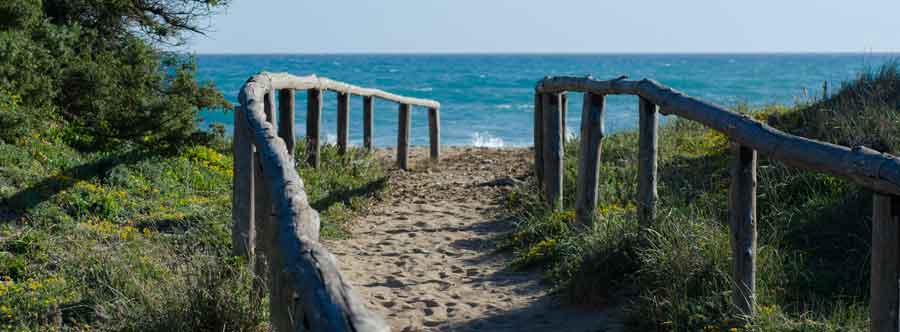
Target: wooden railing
(876,171)
(274,225)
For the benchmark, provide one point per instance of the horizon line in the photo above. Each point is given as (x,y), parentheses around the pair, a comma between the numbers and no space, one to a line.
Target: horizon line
(553,53)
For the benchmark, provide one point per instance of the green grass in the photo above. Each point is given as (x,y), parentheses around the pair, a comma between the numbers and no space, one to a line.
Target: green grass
(128,241)
(814,229)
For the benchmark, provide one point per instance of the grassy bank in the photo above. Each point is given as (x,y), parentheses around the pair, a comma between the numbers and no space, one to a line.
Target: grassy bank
(132,241)
(814,229)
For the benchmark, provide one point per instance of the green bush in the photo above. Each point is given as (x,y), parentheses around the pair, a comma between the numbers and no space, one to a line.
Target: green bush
(96,69)
(812,268)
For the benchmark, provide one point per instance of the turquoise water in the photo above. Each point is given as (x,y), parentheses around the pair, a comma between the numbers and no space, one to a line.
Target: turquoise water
(487,100)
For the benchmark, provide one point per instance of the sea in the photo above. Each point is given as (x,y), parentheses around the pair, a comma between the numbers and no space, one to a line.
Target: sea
(487,99)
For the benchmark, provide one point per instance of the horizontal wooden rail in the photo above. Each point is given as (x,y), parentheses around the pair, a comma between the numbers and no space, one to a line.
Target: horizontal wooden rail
(869,168)
(314,85)
(307,291)
(288,81)
(877,171)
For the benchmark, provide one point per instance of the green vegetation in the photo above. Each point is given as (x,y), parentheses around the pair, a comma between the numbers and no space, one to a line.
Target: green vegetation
(130,241)
(95,69)
(814,229)
(115,210)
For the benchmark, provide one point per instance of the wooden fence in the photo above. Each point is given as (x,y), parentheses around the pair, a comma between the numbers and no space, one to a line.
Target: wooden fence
(877,171)
(274,225)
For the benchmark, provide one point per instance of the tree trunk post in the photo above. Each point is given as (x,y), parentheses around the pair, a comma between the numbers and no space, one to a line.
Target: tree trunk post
(434,133)
(242,232)
(552,150)
(884,288)
(403,137)
(286,118)
(313,120)
(589,162)
(368,122)
(742,215)
(263,213)
(343,121)
(564,106)
(647,154)
(538,139)
(263,231)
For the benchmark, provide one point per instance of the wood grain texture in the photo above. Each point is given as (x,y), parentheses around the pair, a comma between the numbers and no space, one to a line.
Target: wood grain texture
(262,228)
(242,233)
(288,81)
(589,161)
(434,133)
(403,137)
(874,170)
(564,107)
(368,122)
(286,106)
(884,290)
(312,294)
(742,219)
(552,150)
(647,162)
(343,121)
(313,123)
(538,138)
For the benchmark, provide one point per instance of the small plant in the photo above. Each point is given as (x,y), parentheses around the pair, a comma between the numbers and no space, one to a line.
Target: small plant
(676,274)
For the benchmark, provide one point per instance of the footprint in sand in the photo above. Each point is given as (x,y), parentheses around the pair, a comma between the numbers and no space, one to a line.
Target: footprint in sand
(440,272)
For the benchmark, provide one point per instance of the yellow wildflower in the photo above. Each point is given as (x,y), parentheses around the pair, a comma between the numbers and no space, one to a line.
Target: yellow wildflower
(33,284)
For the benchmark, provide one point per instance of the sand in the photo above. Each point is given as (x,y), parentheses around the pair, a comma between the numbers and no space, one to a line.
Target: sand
(424,257)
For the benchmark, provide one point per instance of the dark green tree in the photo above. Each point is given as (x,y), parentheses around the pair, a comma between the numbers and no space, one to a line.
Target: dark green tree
(99,67)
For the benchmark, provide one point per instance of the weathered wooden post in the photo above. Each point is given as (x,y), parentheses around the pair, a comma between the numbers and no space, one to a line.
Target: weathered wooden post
(262,230)
(552,150)
(538,139)
(343,121)
(742,215)
(263,212)
(242,232)
(313,120)
(647,154)
(403,137)
(589,162)
(884,290)
(434,133)
(368,122)
(564,105)
(286,118)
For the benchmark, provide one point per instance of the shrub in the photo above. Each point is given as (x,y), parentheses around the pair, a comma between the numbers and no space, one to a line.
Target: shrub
(96,66)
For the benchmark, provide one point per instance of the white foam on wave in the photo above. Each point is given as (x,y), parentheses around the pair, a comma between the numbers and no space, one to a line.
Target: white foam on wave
(423,89)
(525,107)
(504,106)
(571,134)
(485,140)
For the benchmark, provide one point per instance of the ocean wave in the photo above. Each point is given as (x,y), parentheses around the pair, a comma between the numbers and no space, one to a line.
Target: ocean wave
(330,139)
(504,106)
(423,89)
(525,107)
(485,140)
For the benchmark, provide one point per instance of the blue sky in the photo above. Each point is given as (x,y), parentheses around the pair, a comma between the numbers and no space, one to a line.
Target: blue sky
(553,26)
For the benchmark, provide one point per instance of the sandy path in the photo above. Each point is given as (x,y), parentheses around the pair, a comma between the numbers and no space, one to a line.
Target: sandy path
(424,256)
